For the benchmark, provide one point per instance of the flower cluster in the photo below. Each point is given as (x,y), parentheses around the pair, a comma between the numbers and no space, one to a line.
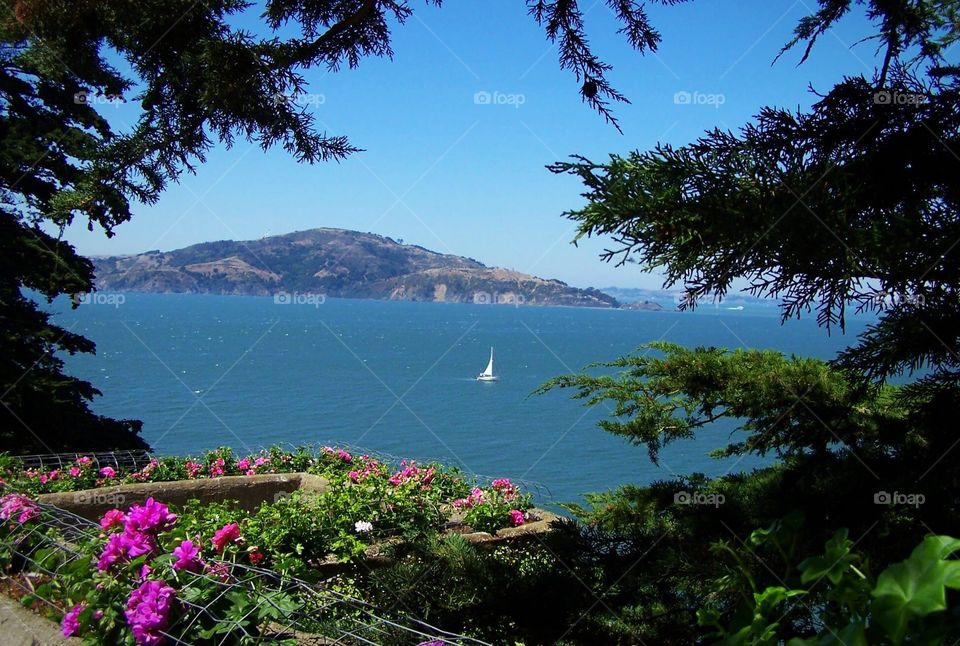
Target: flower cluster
(475,498)
(411,472)
(148,611)
(368,467)
(340,453)
(141,525)
(229,533)
(19,506)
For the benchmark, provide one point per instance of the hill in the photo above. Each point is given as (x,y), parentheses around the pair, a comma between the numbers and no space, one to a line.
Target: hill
(336,263)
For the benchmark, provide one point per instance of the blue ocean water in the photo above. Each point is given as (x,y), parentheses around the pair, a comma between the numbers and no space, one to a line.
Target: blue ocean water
(204,371)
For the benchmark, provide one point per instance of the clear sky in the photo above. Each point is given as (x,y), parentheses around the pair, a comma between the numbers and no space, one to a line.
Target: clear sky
(447,172)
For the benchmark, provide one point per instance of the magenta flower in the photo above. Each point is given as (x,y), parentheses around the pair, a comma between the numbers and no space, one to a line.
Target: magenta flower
(148,611)
(188,557)
(502,483)
(108,472)
(112,552)
(85,461)
(71,621)
(517,517)
(137,543)
(229,533)
(193,468)
(74,471)
(218,569)
(111,519)
(243,464)
(151,518)
(19,505)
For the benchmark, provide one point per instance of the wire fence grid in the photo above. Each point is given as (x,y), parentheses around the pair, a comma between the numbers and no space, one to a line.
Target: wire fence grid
(44,546)
(125,460)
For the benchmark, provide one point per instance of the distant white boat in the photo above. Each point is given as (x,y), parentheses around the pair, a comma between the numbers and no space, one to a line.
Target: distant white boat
(487,375)
(736,309)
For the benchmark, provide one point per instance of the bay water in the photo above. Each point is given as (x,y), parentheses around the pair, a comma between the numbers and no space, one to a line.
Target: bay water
(397,378)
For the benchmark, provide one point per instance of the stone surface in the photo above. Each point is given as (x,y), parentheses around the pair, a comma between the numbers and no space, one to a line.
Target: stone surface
(248,491)
(20,627)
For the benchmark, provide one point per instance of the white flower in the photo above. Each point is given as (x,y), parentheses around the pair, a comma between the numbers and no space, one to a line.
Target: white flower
(362,526)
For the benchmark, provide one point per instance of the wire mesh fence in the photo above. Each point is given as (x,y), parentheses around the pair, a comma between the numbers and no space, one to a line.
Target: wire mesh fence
(119,460)
(226,603)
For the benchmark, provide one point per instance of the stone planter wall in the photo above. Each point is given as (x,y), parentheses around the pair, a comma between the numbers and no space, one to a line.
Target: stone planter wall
(248,491)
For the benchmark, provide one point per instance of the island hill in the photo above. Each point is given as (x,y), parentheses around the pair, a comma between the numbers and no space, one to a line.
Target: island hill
(336,263)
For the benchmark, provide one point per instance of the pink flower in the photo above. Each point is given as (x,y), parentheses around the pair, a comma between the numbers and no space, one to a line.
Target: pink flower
(259,462)
(98,614)
(193,468)
(43,479)
(218,569)
(343,455)
(148,611)
(85,461)
(502,483)
(108,472)
(74,471)
(145,571)
(17,504)
(71,621)
(516,517)
(188,557)
(256,557)
(151,518)
(112,552)
(136,543)
(353,475)
(243,464)
(111,519)
(229,533)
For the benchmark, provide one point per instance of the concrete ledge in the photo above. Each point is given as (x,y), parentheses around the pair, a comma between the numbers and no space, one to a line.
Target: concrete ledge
(249,491)
(20,627)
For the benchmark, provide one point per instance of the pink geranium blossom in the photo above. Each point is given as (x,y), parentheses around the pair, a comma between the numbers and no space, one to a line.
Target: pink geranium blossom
(229,533)
(150,518)
(71,622)
(108,472)
(111,519)
(188,557)
(18,505)
(148,611)
(517,517)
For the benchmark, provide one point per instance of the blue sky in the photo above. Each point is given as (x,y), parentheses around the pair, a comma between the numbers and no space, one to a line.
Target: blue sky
(446,172)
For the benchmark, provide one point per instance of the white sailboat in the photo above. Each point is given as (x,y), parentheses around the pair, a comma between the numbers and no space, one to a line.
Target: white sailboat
(487,375)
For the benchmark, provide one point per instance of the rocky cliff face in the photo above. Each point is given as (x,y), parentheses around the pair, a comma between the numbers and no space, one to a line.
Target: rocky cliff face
(336,263)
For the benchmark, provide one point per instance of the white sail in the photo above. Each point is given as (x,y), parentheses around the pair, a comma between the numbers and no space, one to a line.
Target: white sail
(487,375)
